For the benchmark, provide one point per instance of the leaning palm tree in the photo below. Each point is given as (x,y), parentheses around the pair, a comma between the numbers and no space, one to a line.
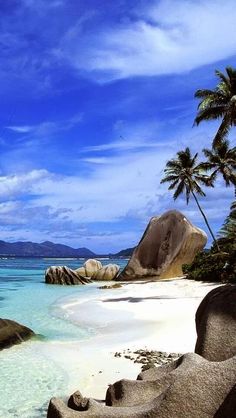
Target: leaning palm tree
(219,103)
(185,176)
(222,160)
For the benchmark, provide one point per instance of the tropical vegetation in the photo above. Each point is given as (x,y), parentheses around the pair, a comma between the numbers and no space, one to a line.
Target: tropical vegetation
(219,103)
(213,265)
(221,160)
(228,229)
(186,175)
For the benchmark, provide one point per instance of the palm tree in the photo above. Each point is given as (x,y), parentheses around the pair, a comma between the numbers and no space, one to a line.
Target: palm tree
(228,229)
(185,176)
(219,103)
(222,160)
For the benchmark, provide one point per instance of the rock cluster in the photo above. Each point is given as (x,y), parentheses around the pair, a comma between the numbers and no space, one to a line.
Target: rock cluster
(189,387)
(91,270)
(168,242)
(13,333)
(148,358)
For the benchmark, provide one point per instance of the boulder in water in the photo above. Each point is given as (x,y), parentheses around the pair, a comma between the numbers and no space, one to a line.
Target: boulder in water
(64,276)
(12,333)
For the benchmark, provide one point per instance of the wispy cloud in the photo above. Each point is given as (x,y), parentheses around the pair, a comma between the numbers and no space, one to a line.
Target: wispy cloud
(171,36)
(123,146)
(97,160)
(20,129)
(47,127)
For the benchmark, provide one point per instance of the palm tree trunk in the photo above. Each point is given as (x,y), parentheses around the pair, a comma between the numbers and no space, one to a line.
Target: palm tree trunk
(206,221)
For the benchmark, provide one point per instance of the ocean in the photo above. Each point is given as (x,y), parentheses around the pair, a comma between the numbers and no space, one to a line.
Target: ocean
(28,377)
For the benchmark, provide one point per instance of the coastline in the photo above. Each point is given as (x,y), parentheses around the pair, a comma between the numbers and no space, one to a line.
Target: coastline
(154,316)
(86,327)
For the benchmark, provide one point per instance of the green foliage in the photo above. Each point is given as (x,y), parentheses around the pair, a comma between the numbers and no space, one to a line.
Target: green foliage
(228,229)
(219,103)
(212,267)
(221,160)
(185,175)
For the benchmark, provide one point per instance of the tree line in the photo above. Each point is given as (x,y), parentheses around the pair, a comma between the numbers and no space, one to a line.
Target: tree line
(184,172)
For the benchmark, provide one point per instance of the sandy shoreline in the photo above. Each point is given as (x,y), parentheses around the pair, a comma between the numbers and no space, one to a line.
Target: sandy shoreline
(155,315)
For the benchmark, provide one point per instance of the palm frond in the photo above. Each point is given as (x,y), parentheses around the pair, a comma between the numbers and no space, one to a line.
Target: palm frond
(231,73)
(221,76)
(174,164)
(197,189)
(222,132)
(204,93)
(219,103)
(173,184)
(169,178)
(209,113)
(228,229)
(179,190)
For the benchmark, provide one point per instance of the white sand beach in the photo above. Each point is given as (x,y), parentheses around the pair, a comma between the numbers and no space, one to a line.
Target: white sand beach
(154,315)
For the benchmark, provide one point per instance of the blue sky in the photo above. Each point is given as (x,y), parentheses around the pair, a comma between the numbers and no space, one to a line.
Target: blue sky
(96,96)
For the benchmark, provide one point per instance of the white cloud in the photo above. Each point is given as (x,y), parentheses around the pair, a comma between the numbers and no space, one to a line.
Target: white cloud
(21,129)
(132,136)
(19,184)
(47,128)
(123,146)
(97,160)
(172,36)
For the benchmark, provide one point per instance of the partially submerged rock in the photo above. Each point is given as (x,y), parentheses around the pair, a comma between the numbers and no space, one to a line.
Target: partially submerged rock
(92,269)
(168,242)
(12,333)
(64,276)
(108,272)
(216,324)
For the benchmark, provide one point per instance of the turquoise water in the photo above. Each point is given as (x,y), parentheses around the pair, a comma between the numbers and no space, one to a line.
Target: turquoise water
(28,378)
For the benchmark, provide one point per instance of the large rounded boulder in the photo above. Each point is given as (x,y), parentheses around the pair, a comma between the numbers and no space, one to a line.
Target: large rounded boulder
(168,242)
(216,324)
(12,333)
(108,272)
(90,268)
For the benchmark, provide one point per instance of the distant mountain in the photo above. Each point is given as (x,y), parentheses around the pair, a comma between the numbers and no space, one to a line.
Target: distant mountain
(45,249)
(125,253)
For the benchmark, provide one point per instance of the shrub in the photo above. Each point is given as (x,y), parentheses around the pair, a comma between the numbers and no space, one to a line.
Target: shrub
(214,266)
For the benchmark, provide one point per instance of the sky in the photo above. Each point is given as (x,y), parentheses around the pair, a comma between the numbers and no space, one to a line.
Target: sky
(96,97)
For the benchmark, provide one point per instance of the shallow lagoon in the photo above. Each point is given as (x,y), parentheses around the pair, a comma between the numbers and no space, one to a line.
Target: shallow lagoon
(28,377)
